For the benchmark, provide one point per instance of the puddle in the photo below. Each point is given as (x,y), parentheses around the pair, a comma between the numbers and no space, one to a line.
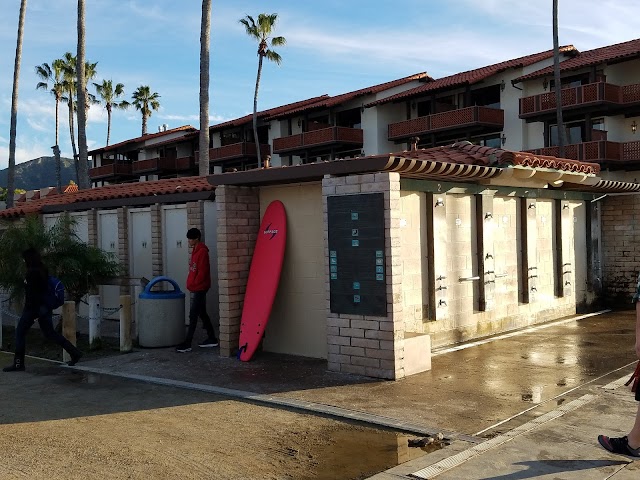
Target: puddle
(349,453)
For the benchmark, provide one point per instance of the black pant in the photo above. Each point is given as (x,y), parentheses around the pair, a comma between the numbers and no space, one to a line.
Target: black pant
(43,315)
(199,309)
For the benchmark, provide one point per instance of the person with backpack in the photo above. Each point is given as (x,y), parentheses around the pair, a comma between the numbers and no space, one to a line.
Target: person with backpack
(39,301)
(629,445)
(198,283)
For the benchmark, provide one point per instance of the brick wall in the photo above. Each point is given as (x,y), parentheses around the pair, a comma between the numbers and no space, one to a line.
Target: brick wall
(92,225)
(362,344)
(156,240)
(238,210)
(620,247)
(123,246)
(195,217)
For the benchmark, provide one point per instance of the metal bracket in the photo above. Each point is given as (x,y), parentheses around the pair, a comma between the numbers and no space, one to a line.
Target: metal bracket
(468,279)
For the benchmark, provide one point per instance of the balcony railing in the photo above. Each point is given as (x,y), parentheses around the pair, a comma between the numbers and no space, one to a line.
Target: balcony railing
(598,151)
(112,170)
(599,93)
(461,118)
(323,136)
(237,150)
(162,164)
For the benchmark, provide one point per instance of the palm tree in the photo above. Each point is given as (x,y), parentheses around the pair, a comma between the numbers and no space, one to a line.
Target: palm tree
(53,76)
(557,82)
(69,62)
(146,102)
(205,37)
(83,107)
(261,32)
(11,177)
(109,96)
(70,76)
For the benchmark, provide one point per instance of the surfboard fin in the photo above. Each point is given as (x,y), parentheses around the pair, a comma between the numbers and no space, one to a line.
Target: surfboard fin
(243,348)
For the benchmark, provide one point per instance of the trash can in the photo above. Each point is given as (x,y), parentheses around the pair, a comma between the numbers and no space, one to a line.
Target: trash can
(161,315)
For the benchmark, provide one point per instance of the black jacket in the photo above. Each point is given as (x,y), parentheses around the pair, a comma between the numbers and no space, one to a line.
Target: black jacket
(36,285)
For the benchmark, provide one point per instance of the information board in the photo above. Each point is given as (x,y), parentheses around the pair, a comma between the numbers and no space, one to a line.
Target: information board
(357,267)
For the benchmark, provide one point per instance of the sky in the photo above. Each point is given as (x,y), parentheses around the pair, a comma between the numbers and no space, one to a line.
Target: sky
(333,47)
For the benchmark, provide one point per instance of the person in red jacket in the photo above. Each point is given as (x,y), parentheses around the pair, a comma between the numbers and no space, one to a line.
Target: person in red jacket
(198,283)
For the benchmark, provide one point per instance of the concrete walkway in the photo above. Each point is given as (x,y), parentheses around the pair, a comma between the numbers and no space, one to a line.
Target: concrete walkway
(527,406)
(560,444)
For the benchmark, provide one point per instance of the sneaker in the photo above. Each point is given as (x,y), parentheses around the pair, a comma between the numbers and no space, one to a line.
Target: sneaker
(183,348)
(618,445)
(75,359)
(209,342)
(14,368)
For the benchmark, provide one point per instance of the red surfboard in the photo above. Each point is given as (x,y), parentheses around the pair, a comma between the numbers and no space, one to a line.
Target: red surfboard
(264,276)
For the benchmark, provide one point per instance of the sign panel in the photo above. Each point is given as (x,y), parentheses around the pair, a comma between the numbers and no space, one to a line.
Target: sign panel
(357,255)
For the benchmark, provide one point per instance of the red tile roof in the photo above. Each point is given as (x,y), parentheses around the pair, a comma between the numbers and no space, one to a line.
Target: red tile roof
(468,154)
(264,113)
(124,190)
(328,102)
(612,53)
(144,138)
(473,76)
(71,188)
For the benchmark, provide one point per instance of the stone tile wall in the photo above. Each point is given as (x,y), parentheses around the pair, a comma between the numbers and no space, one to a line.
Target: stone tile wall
(238,210)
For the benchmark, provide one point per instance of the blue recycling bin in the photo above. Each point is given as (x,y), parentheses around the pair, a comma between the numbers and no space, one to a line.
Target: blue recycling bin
(160,315)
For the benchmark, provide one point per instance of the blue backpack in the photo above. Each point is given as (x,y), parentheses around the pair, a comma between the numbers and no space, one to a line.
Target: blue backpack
(54,297)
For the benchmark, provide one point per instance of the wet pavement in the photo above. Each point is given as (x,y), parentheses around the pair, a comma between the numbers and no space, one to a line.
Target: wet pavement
(467,391)
(478,393)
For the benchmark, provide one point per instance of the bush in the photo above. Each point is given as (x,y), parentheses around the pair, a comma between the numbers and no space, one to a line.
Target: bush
(79,266)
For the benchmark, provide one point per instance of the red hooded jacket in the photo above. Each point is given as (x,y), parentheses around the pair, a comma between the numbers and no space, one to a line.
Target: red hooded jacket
(199,278)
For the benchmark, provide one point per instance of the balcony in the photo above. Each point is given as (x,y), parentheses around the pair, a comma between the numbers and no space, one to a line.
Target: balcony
(327,137)
(596,152)
(595,97)
(237,151)
(162,164)
(111,171)
(461,119)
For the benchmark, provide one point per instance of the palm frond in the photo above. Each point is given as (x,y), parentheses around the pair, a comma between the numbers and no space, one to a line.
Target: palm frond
(278,41)
(274,57)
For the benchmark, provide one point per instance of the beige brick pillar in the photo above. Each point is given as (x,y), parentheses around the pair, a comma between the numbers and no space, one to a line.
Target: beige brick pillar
(195,216)
(92,224)
(123,246)
(365,344)
(238,211)
(156,240)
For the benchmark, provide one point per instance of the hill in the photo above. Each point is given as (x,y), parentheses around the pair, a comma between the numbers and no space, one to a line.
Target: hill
(40,173)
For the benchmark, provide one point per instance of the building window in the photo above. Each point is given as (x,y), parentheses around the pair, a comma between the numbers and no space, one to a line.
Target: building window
(492,141)
(576,132)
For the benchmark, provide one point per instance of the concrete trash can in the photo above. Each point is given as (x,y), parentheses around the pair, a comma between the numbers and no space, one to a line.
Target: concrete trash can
(161,315)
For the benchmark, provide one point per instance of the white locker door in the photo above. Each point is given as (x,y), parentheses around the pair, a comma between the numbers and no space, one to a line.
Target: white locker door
(176,247)
(108,241)
(81,228)
(141,264)
(50,220)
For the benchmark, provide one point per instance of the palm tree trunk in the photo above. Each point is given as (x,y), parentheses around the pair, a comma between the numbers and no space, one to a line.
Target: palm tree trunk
(56,149)
(11,177)
(83,170)
(108,123)
(73,139)
(203,140)
(557,82)
(255,112)
(144,124)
